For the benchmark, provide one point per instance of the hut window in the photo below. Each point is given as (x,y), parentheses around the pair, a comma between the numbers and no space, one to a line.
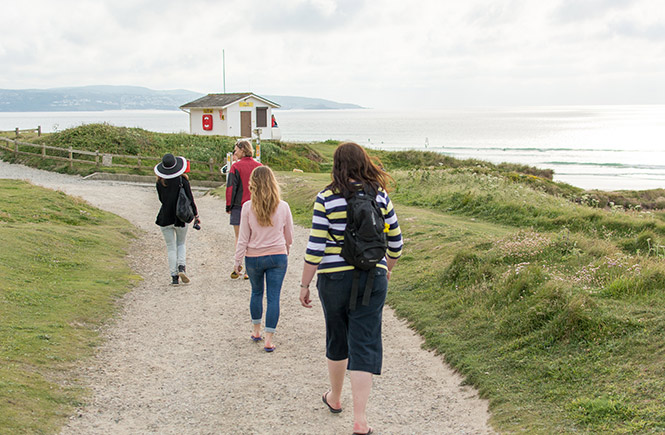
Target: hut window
(261,116)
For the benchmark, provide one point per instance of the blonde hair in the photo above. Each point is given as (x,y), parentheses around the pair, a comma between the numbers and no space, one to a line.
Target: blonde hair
(265,194)
(246,147)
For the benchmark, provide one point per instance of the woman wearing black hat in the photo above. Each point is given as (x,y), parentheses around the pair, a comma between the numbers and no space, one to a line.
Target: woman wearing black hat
(170,176)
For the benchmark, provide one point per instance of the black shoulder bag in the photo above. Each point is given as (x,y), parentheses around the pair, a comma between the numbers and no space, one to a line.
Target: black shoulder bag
(183,207)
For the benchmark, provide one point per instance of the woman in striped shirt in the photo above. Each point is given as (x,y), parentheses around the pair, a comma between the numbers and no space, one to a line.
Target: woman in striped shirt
(353,336)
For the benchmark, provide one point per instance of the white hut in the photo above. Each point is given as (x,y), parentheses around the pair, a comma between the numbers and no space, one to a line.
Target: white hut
(240,114)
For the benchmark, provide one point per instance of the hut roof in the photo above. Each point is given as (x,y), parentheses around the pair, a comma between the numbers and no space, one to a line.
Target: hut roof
(224,100)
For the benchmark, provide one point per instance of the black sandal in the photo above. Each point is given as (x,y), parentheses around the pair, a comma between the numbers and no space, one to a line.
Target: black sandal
(325,400)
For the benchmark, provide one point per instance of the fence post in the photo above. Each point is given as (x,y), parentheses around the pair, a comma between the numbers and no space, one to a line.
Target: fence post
(97,158)
(39,130)
(43,151)
(16,147)
(16,131)
(71,158)
(138,161)
(211,165)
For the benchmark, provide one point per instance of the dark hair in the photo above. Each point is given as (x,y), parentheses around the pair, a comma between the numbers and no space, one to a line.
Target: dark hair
(162,181)
(352,166)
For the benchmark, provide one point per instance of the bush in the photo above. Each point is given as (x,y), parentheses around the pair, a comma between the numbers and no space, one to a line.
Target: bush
(462,270)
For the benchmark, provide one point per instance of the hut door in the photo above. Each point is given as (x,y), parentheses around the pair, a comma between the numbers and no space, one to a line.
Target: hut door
(246,124)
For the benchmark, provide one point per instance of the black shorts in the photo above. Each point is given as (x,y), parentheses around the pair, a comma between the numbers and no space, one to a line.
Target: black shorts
(235,215)
(356,334)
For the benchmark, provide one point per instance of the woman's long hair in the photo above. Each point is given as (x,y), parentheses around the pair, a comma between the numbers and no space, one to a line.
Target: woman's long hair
(265,194)
(352,166)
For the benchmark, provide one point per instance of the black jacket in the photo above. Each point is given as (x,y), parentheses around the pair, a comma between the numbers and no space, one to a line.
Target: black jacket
(168,196)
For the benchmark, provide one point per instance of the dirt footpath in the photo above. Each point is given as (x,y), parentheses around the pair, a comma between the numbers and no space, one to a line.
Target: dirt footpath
(179,360)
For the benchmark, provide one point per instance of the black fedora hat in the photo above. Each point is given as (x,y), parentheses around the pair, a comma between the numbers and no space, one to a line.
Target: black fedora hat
(171,166)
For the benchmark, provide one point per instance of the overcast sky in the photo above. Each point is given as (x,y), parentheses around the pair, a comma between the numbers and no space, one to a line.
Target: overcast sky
(376,53)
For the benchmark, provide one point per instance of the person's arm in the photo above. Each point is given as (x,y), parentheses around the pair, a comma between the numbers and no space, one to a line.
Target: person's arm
(308,272)
(394,236)
(391,263)
(243,236)
(316,247)
(160,192)
(288,229)
(232,178)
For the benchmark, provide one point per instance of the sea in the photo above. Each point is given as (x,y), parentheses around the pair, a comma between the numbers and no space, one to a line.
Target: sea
(593,147)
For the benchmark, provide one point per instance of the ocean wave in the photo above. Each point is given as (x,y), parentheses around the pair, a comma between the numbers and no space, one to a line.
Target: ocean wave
(633,176)
(611,165)
(537,149)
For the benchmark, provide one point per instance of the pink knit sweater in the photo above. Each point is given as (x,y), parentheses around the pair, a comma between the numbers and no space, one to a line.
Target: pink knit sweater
(256,241)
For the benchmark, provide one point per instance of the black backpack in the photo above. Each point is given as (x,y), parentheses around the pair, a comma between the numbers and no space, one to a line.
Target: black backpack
(365,241)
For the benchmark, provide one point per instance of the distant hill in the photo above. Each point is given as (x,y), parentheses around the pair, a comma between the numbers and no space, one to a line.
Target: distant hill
(93,98)
(309,103)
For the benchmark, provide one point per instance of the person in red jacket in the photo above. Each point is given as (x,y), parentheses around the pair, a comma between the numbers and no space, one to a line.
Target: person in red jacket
(237,185)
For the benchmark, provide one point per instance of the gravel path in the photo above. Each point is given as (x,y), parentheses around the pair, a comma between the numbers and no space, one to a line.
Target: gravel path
(179,360)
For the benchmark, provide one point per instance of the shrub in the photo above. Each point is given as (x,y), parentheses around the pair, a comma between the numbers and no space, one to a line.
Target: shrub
(528,316)
(462,270)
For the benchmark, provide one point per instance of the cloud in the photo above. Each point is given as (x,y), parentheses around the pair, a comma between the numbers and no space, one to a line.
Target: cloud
(654,32)
(381,53)
(303,16)
(571,11)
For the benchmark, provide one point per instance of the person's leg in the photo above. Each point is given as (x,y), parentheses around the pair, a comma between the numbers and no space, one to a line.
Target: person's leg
(336,372)
(361,386)
(256,329)
(181,237)
(234,220)
(334,292)
(171,248)
(274,272)
(255,272)
(365,346)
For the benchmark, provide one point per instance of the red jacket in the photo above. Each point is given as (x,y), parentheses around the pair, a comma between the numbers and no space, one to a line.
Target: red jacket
(237,182)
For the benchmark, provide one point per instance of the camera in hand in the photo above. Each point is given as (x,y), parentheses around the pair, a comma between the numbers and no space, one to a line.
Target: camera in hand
(197,224)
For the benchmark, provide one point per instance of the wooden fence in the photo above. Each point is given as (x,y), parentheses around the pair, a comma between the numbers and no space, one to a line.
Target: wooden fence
(17,131)
(94,157)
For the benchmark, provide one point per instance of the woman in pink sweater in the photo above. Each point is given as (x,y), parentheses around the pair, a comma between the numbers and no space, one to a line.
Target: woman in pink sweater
(264,239)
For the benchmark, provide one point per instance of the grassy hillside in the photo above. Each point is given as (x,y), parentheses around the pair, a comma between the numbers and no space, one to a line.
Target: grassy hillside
(310,157)
(555,311)
(62,267)
(548,298)
(136,141)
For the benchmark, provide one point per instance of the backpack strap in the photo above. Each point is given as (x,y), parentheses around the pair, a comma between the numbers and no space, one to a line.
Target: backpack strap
(367,293)
(369,286)
(333,237)
(354,290)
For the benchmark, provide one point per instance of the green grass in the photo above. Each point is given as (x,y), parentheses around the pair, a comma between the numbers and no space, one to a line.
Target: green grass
(106,138)
(550,304)
(62,269)
(554,311)
(495,198)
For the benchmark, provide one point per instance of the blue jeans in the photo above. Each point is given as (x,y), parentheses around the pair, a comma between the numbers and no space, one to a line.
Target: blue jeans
(175,246)
(273,268)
